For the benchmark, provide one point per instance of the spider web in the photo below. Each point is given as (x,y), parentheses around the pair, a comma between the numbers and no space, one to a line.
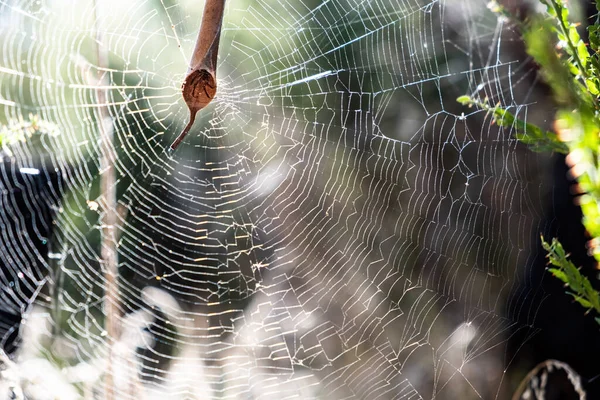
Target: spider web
(334,226)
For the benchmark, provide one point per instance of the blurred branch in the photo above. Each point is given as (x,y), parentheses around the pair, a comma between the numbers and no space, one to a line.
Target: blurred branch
(108,216)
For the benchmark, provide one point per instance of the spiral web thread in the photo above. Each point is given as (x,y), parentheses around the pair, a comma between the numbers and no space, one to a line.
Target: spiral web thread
(334,226)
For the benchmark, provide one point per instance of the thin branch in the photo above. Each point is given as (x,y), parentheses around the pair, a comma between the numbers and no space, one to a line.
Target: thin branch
(108,217)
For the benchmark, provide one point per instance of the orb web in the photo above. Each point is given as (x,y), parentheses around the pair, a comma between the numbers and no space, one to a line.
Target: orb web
(335,225)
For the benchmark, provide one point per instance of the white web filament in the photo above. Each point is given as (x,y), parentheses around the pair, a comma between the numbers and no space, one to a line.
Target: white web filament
(334,227)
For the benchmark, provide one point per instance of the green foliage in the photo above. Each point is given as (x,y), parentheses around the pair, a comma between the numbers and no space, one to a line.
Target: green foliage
(578,61)
(563,269)
(537,138)
(21,130)
(571,68)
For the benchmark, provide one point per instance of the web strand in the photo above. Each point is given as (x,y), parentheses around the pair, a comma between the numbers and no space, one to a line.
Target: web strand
(335,225)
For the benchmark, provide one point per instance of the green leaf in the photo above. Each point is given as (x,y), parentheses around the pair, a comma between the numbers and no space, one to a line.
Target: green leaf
(464,100)
(593,36)
(556,272)
(592,87)
(583,53)
(564,14)
(581,300)
(580,286)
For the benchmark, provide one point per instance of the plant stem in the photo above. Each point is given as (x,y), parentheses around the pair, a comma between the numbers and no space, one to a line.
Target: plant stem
(108,216)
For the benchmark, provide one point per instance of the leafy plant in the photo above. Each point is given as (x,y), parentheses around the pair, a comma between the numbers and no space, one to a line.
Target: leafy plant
(566,271)
(537,138)
(571,68)
(21,130)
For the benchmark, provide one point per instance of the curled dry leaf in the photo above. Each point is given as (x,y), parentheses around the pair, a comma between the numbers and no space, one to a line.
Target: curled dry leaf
(200,84)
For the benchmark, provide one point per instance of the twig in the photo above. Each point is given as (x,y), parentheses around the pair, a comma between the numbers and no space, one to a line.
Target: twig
(200,84)
(108,217)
